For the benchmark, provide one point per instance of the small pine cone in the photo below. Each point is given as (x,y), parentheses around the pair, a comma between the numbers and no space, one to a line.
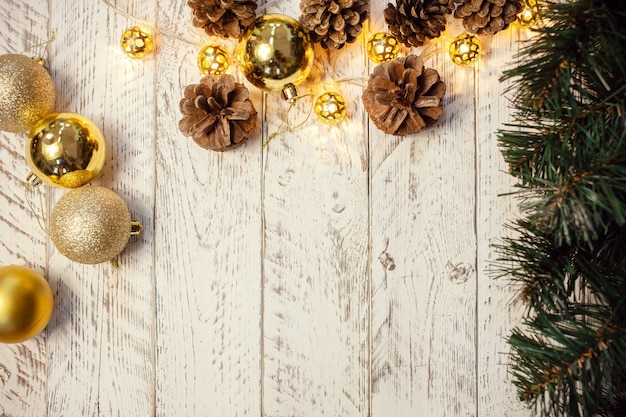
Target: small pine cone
(414,21)
(217,113)
(333,23)
(402,96)
(487,16)
(223,18)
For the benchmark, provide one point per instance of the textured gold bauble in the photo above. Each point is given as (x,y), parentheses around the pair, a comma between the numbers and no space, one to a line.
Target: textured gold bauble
(465,49)
(90,225)
(275,53)
(330,108)
(26,93)
(137,42)
(382,47)
(65,150)
(213,60)
(529,14)
(26,303)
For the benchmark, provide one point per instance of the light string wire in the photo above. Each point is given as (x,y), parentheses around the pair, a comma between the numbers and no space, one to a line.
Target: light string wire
(39,215)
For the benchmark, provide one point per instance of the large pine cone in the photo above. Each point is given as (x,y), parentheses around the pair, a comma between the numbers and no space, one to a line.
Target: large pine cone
(217,113)
(402,96)
(223,18)
(487,16)
(414,21)
(333,23)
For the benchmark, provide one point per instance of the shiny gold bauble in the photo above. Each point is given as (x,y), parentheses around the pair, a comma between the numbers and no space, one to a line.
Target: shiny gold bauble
(26,93)
(330,108)
(213,60)
(465,49)
(275,53)
(382,47)
(90,225)
(137,42)
(26,303)
(65,150)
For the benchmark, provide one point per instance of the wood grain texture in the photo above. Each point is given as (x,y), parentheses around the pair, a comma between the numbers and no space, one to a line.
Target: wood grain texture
(337,271)
(24,366)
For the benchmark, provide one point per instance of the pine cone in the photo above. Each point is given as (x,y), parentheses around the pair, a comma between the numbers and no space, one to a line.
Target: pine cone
(487,16)
(402,96)
(414,21)
(333,23)
(223,18)
(217,113)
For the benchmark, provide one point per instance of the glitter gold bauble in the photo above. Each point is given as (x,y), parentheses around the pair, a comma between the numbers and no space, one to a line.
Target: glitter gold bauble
(330,108)
(26,303)
(465,49)
(26,93)
(65,150)
(275,53)
(213,60)
(137,42)
(91,225)
(382,47)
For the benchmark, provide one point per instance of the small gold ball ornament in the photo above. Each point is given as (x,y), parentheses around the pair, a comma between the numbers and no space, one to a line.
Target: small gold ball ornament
(382,47)
(26,93)
(137,42)
(26,303)
(65,150)
(465,49)
(275,53)
(213,60)
(330,108)
(91,225)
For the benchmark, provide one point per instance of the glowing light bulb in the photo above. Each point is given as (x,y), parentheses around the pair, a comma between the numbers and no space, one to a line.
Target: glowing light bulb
(465,49)
(382,47)
(213,60)
(137,42)
(529,14)
(330,108)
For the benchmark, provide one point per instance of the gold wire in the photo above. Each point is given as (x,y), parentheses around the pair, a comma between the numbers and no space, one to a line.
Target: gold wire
(284,120)
(40,216)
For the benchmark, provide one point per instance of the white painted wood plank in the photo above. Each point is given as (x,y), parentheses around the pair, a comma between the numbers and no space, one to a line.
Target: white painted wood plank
(315,318)
(101,338)
(497,312)
(207,253)
(424,256)
(23,366)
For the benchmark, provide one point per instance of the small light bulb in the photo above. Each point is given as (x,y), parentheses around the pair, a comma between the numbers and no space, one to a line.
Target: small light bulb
(213,60)
(330,108)
(530,14)
(382,47)
(465,49)
(137,42)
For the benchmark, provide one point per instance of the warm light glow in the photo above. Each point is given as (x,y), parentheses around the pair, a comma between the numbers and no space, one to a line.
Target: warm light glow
(530,14)
(213,60)
(137,42)
(330,108)
(465,49)
(382,47)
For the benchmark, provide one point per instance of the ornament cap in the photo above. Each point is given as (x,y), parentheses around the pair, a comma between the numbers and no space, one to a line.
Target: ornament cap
(290,93)
(33,180)
(135,228)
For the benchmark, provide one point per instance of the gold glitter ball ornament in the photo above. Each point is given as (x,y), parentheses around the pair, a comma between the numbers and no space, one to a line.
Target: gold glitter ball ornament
(91,225)
(26,93)
(465,49)
(26,303)
(382,47)
(330,108)
(65,150)
(137,42)
(275,53)
(213,60)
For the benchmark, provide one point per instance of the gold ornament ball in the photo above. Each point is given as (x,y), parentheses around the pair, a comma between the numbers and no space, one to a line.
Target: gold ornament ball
(330,108)
(26,93)
(382,47)
(137,42)
(213,60)
(65,150)
(275,53)
(465,49)
(90,225)
(26,303)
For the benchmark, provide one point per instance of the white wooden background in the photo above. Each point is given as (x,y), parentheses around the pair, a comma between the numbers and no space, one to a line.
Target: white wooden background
(336,272)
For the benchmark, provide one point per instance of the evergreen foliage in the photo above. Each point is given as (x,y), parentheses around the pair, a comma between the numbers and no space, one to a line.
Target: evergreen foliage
(567,147)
